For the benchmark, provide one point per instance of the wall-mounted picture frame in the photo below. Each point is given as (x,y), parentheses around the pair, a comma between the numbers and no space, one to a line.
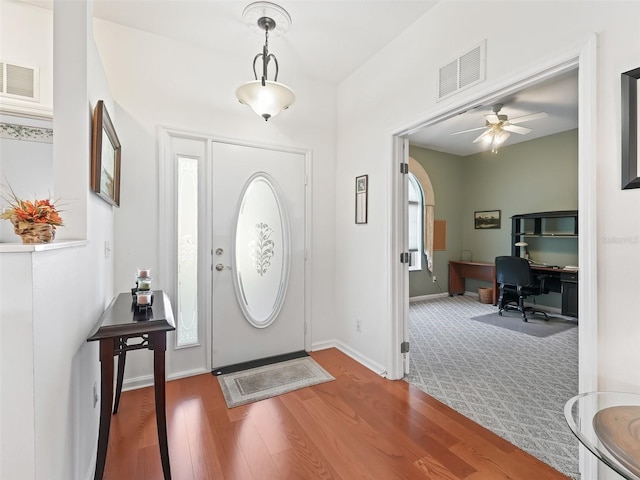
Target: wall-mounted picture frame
(105,156)
(630,114)
(362,193)
(486,219)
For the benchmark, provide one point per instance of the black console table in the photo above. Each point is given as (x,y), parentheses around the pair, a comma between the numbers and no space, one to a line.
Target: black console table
(121,323)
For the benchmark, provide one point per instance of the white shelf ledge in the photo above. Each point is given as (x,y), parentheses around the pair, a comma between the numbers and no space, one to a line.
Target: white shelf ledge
(40,247)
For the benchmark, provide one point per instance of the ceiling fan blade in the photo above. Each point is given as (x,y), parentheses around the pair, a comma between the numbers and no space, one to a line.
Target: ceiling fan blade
(527,118)
(482,136)
(470,130)
(493,118)
(516,129)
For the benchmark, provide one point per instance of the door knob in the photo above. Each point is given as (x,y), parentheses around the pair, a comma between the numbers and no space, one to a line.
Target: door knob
(220,267)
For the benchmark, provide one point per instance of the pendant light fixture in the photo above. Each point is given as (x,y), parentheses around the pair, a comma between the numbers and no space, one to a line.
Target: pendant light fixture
(266,98)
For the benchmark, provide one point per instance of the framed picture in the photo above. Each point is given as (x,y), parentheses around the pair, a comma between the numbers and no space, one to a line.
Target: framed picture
(487,219)
(630,127)
(105,157)
(362,191)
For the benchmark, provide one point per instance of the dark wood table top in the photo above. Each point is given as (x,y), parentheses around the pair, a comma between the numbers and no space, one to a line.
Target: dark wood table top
(122,318)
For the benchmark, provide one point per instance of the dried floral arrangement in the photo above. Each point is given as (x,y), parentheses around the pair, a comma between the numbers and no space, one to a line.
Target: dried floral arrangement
(30,218)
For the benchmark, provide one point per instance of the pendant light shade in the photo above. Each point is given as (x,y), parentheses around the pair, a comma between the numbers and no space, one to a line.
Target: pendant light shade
(266,98)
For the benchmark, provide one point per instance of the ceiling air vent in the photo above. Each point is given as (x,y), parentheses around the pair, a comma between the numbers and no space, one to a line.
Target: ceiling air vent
(20,82)
(463,72)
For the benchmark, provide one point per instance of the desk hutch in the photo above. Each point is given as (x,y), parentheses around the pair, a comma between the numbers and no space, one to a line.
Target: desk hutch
(559,225)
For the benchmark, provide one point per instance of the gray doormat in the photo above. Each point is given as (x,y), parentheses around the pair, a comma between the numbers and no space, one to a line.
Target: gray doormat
(536,326)
(248,386)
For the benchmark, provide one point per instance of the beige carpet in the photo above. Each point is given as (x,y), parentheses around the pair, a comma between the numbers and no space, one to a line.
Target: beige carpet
(240,388)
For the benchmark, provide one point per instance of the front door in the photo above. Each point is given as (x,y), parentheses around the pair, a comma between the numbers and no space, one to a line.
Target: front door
(258,253)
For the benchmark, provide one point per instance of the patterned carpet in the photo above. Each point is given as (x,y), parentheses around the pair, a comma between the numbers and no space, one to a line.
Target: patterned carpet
(514,384)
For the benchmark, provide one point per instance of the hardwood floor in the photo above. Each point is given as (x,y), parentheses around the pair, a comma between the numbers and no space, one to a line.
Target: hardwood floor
(359,426)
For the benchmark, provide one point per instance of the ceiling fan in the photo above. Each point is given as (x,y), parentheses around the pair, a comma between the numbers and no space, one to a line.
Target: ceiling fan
(498,127)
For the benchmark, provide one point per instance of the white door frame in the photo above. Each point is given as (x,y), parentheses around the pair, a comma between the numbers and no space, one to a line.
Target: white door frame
(584,58)
(166,233)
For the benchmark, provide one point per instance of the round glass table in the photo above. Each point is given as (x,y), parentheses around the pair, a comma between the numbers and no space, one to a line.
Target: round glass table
(608,424)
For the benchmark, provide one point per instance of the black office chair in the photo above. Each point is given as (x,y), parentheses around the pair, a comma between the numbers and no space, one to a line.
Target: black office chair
(516,282)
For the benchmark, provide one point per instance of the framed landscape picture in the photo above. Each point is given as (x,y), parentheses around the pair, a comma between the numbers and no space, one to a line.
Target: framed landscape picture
(105,157)
(487,219)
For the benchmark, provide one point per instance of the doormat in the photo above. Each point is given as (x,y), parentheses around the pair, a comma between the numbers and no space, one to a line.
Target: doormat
(536,326)
(268,381)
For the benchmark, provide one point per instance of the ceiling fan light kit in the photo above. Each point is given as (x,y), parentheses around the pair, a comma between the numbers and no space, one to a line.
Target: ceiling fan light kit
(266,98)
(498,127)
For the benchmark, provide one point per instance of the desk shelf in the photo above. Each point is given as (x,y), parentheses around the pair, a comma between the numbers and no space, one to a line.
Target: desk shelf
(558,224)
(545,235)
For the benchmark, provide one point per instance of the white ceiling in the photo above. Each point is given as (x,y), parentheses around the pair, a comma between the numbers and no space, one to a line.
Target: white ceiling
(327,40)
(558,97)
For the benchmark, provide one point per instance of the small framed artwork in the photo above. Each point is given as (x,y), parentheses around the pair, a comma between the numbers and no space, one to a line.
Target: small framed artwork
(105,157)
(487,219)
(362,192)
(630,129)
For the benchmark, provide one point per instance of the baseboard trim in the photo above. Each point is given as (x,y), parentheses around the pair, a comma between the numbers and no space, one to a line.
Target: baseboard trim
(431,296)
(354,354)
(147,380)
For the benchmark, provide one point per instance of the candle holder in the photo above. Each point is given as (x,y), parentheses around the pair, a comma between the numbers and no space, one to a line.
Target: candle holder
(143,283)
(144,299)
(144,272)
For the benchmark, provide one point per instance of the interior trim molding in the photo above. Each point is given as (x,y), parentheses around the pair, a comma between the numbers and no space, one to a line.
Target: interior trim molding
(147,380)
(431,296)
(26,133)
(354,354)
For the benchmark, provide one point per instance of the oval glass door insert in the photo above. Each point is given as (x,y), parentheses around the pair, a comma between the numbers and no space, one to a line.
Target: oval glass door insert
(261,251)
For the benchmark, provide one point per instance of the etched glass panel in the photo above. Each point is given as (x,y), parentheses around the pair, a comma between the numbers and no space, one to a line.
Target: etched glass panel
(261,256)
(187,312)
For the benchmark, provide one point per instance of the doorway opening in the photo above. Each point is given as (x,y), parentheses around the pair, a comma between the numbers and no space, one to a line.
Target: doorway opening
(583,61)
(234,244)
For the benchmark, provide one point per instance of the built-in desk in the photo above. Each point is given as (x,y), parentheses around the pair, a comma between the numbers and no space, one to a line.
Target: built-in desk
(121,323)
(459,271)
(564,282)
(559,280)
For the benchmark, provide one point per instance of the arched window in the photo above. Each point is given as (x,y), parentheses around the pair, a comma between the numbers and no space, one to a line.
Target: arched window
(416,215)
(428,205)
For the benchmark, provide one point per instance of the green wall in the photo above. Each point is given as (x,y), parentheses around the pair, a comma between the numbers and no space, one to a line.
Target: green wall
(446,173)
(535,176)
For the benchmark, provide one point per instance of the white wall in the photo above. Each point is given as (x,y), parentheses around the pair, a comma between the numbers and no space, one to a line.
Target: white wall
(401,89)
(161,82)
(68,287)
(19,158)
(29,47)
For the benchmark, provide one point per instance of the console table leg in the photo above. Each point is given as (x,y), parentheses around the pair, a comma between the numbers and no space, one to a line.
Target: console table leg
(159,343)
(107,347)
(122,359)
